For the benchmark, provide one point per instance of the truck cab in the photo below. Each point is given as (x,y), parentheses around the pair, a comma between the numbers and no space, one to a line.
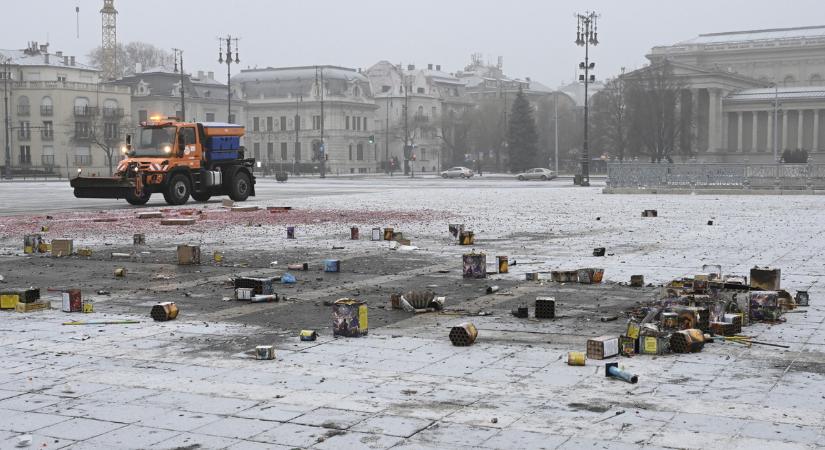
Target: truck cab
(177,160)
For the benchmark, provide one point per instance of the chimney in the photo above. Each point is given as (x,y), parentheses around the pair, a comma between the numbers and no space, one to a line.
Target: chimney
(44,48)
(438,67)
(46,58)
(429,67)
(211,75)
(59,54)
(138,67)
(411,67)
(72,60)
(528,79)
(200,74)
(65,60)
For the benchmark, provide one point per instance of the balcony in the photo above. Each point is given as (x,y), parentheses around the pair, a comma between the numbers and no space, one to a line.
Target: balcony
(83,160)
(46,110)
(47,135)
(85,111)
(113,113)
(24,134)
(23,110)
(47,160)
(421,118)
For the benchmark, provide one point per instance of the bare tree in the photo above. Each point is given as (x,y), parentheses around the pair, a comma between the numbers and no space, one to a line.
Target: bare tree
(657,113)
(455,134)
(131,54)
(100,127)
(609,126)
(487,131)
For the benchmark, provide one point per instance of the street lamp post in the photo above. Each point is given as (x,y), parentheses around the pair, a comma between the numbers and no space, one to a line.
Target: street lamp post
(179,57)
(6,123)
(586,35)
(229,40)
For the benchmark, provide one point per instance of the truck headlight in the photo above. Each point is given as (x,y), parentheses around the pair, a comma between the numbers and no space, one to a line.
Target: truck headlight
(124,149)
(167,149)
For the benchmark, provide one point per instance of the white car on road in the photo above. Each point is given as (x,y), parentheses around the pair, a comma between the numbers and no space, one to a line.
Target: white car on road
(457,172)
(536,174)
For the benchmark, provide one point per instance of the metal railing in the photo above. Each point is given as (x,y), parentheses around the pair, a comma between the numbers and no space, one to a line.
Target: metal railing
(46,110)
(47,134)
(23,110)
(716,175)
(85,111)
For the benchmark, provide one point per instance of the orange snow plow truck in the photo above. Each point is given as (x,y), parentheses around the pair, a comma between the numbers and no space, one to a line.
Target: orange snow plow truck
(178,160)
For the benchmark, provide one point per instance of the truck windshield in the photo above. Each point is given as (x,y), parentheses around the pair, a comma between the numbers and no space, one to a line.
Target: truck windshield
(155,141)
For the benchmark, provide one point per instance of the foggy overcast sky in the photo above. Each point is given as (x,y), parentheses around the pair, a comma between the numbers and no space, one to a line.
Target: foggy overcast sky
(534,37)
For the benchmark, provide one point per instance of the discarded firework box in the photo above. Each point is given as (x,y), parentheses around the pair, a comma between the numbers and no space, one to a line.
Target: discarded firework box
(464,334)
(388,232)
(332,265)
(700,283)
(290,232)
(150,215)
(598,275)
(217,256)
(545,308)
(308,335)
(786,300)
(349,318)
(189,255)
(475,265)
(735,320)
(31,243)
(264,352)
(521,311)
(376,234)
(628,346)
(576,358)
(602,347)
(44,247)
(418,300)
(764,305)
(354,233)
(713,270)
(687,341)
(84,251)
(120,272)
(653,345)
(72,301)
(403,242)
(531,276)
(723,328)
(598,251)
(693,317)
(743,306)
(259,286)
(88,306)
(670,321)
(11,297)
(765,278)
(466,238)
(585,276)
(164,311)
(503,264)
(298,266)
(611,370)
(736,282)
(633,330)
(398,236)
(62,247)
(802,298)
(31,307)
(456,229)
(264,298)
(637,281)
(244,293)
(650,213)
(139,239)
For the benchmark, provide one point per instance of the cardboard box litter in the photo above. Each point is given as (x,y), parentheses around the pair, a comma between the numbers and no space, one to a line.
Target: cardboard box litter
(62,247)
(189,255)
(602,347)
(349,318)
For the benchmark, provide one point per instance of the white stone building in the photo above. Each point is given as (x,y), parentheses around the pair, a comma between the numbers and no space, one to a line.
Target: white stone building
(288,108)
(60,115)
(750,89)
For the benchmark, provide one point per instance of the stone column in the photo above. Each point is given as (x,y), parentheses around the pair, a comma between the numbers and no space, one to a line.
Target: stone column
(694,121)
(713,120)
(800,119)
(784,143)
(816,132)
(725,126)
(739,134)
(754,134)
(769,134)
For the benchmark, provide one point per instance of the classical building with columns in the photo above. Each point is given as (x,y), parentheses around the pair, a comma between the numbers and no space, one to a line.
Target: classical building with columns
(752,90)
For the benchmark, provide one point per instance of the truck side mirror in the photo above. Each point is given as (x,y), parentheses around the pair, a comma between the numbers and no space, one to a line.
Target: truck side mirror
(181,147)
(128,139)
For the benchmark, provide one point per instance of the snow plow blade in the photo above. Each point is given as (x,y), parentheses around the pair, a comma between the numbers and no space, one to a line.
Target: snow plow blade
(101,187)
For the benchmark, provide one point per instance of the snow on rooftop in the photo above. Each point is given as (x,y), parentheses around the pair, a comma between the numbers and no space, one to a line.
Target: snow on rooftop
(783,93)
(757,35)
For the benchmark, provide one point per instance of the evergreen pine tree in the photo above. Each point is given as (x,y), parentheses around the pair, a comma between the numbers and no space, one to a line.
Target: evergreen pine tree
(522,137)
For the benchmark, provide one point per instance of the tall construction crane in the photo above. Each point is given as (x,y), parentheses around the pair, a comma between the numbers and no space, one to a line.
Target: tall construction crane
(109,45)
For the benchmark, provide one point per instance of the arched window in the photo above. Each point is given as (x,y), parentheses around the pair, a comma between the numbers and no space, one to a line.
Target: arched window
(816,79)
(356,92)
(23,107)
(110,108)
(420,111)
(789,80)
(81,106)
(360,152)
(46,106)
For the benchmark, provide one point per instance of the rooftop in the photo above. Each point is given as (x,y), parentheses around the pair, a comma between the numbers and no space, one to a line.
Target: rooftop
(758,35)
(38,55)
(783,93)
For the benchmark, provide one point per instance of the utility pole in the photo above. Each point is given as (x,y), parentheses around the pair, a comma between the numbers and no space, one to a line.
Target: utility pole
(6,74)
(298,99)
(319,72)
(586,35)
(407,146)
(556,128)
(179,54)
(229,40)
(387,135)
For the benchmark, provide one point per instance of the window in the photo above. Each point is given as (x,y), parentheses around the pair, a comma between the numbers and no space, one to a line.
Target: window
(143,115)
(257,150)
(46,106)
(61,78)
(357,126)
(360,152)
(81,130)
(350,152)
(420,90)
(385,88)
(283,124)
(111,131)
(47,158)
(25,131)
(434,112)
(25,157)
(82,156)
(284,151)
(210,117)
(269,124)
(23,107)
(365,124)
(187,136)
(270,151)
(256,124)
(297,151)
(347,123)
(423,154)
(316,122)
(47,133)
(81,107)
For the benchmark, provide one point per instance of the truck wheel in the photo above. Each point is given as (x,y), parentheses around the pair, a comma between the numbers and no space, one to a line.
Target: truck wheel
(241,185)
(137,200)
(201,196)
(177,192)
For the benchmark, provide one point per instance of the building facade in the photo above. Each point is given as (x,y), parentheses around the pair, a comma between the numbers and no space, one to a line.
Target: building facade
(60,117)
(754,93)
(296,115)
